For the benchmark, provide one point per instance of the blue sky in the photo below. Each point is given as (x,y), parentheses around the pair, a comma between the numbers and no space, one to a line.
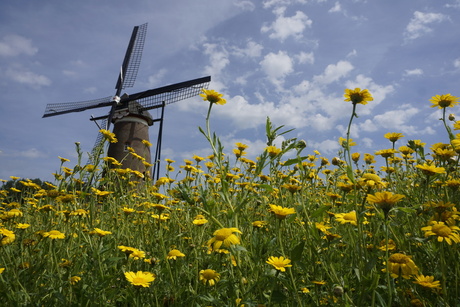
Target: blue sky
(287,59)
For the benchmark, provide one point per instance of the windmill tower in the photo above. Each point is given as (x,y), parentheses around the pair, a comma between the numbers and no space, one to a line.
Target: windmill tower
(130,113)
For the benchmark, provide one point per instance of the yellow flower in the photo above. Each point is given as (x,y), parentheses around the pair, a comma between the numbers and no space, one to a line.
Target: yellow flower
(344,144)
(371,180)
(146,143)
(358,96)
(443,232)
(137,254)
(126,249)
(444,101)
(344,218)
(128,211)
(281,212)
(6,236)
(109,136)
(386,153)
(430,170)
(355,156)
(401,265)
(63,159)
(54,234)
(80,212)
(272,151)
(213,97)
(74,279)
(200,220)
(14,213)
(224,236)
(209,276)
(393,136)
(385,200)
(427,282)
(140,279)
(321,227)
(259,224)
(1,270)
(279,263)
(100,232)
(22,226)
(291,187)
(241,146)
(173,254)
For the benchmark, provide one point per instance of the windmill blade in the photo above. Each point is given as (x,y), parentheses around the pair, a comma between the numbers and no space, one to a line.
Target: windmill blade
(132,59)
(153,98)
(53,109)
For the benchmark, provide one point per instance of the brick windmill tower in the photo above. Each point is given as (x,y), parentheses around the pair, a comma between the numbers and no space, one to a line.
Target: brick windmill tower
(130,113)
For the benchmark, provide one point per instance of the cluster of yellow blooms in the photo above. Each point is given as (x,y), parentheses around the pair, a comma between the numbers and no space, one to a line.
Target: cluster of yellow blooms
(298,225)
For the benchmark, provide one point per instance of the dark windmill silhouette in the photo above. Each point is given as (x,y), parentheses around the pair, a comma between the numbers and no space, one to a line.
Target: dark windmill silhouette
(130,113)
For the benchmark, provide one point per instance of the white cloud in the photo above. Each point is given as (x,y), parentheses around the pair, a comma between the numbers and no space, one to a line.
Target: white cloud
(397,120)
(333,72)
(367,142)
(327,147)
(336,8)
(305,58)
(245,5)
(277,66)
(252,50)
(283,27)
(457,63)
(368,126)
(28,77)
(352,53)
(31,153)
(413,72)
(13,45)
(155,79)
(419,24)
(218,58)
(269,3)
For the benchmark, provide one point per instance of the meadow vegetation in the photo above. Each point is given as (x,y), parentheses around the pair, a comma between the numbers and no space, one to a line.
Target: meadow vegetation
(289,228)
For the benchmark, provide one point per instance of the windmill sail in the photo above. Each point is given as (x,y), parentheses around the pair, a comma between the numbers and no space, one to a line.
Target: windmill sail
(132,59)
(53,109)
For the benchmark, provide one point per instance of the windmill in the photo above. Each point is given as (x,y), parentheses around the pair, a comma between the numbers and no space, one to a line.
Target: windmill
(130,113)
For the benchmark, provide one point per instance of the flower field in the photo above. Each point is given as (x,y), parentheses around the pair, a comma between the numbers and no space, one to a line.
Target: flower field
(285,229)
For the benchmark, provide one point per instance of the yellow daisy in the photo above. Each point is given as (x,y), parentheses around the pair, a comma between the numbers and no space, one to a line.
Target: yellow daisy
(209,277)
(173,254)
(444,101)
(427,282)
(279,263)
(281,212)
(140,279)
(213,97)
(347,218)
(225,237)
(54,234)
(443,232)
(401,265)
(358,96)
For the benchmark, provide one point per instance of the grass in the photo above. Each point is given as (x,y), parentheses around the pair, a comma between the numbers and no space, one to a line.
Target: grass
(340,246)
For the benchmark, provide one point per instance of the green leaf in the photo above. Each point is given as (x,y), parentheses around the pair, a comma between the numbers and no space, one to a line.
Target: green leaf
(296,252)
(406,210)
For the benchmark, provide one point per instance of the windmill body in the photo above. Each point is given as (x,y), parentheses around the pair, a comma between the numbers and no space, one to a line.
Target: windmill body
(129,113)
(131,127)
